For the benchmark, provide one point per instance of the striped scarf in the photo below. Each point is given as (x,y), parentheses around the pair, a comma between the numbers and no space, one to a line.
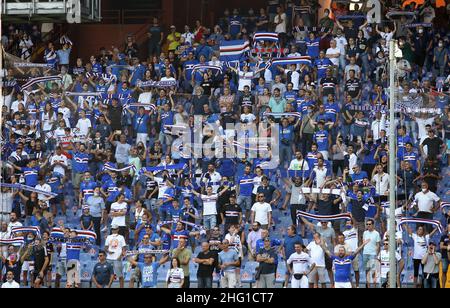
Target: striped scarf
(397,109)
(444,205)
(292,60)
(190,224)
(17,242)
(98,94)
(435,223)
(156,84)
(162,168)
(83,237)
(207,67)
(112,168)
(146,252)
(284,114)
(19,230)
(36,80)
(26,64)
(28,188)
(346,216)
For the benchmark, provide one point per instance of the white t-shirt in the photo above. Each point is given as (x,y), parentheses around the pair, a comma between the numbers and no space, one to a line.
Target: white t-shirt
(300,262)
(117,207)
(317,254)
(299,165)
(15,105)
(66,115)
(59,159)
(209,204)
(352,161)
(174,277)
(261,210)
(295,79)
(420,245)
(341,42)
(321,176)
(333,51)
(256,183)
(421,123)
(10,285)
(83,125)
(44,187)
(351,238)
(381,183)
(383,257)
(280,28)
(426,201)
(115,243)
(245,79)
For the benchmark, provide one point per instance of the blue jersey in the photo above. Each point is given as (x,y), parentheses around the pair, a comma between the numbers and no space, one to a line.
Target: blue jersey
(401,143)
(342,268)
(322,65)
(287,133)
(290,95)
(305,105)
(175,213)
(311,157)
(312,47)
(111,187)
(321,138)
(188,68)
(80,162)
(54,181)
(140,123)
(246,185)
(410,157)
(177,235)
(235,25)
(167,118)
(331,111)
(73,251)
(149,274)
(227,167)
(87,189)
(357,178)
(31,176)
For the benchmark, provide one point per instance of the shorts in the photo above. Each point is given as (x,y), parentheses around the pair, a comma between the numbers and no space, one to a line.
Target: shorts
(28,266)
(369,262)
(73,272)
(444,265)
(76,180)
(321,272)
(61,268)
(209,221)
(245,202)
(342,285)
(328,263)
(118,268)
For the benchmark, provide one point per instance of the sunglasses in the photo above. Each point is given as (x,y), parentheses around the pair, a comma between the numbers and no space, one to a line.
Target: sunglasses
(368,224)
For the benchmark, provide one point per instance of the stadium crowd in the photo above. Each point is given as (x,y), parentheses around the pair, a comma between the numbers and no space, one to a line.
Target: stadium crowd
(95,162)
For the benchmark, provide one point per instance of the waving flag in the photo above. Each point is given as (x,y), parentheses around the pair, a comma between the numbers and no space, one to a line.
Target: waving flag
(346,216)
(33,81)
(234,50)
(436,223)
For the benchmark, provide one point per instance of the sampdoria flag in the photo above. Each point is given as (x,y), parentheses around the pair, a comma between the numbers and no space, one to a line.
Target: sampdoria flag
(234,50)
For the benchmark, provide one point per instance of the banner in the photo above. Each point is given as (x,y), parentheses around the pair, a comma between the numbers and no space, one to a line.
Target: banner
(265,36)
(284,114)
(113,168)
(292,60)
(157,84)
(83,237)
(144,251)
(162,168)
(207,67)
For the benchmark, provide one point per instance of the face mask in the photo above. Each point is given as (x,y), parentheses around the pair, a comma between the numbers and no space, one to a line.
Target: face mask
(30,239)
(441,45)
(424,190)
(348,227)
(420,30)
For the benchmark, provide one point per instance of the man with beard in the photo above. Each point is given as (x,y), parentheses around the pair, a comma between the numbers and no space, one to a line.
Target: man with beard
(343,265)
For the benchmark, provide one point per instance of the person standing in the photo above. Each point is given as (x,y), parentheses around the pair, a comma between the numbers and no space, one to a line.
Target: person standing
(228,261)
(205,260)
(371,250)
(445,250)
(302,266)
(155,37)
(261,212)
(115,247)
(183,255)
(103,272)
(266,258)
(175,276)
(430,262)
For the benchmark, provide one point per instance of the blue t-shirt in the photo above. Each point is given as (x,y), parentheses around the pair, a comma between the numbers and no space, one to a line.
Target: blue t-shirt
(246,185)
(80,162)
(312,47)
(342,268)
(289,244)
(321,138)
(31,176)
(149,274)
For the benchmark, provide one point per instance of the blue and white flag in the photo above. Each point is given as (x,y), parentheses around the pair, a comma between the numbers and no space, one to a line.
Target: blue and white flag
(234,50)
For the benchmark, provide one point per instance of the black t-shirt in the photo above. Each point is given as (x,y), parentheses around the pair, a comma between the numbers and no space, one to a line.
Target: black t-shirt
(267,268)
(446,240)
(39,254)
(350,32)
(246,100)
(203,269)
(115,116)
(30,206)
(227,118)
(198,103)
(328,85)
(267,191)
(231,213)
(432,181)
(434,146)
(324,207)
(352,87)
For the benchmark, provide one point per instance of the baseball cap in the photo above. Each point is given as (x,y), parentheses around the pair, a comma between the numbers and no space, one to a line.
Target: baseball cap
(232,196)
(114,227)
(413,91)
